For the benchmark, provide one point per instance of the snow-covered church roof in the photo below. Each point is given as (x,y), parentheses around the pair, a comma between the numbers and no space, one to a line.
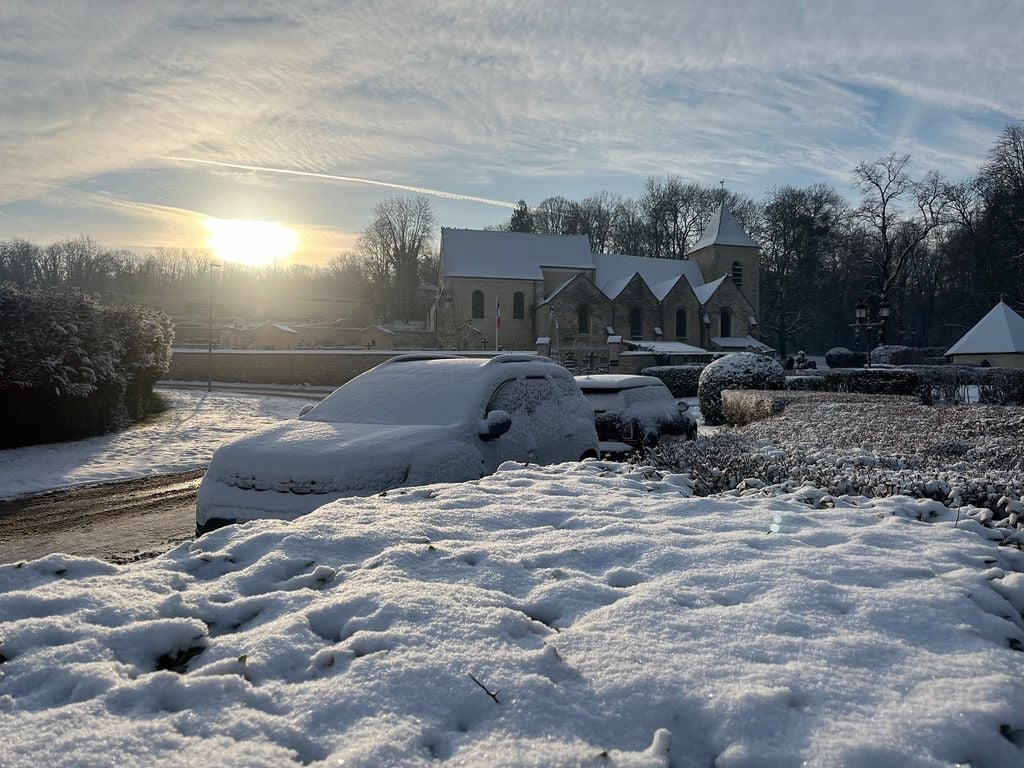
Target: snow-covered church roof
(723,229)
(1001,331)
(614,271)
(510,255)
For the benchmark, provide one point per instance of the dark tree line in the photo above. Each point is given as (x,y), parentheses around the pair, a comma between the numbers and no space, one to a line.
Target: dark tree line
(942,253)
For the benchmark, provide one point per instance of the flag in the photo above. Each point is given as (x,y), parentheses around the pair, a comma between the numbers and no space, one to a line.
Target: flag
(497,313)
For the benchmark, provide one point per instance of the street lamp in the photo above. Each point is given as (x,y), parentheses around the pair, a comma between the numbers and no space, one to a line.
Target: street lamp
(865,324)
(209,352)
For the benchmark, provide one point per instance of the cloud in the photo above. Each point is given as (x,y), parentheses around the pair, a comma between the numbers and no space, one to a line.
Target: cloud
(456,94)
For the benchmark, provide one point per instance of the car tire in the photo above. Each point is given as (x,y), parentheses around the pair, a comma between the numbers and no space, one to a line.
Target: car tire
(588,455)
(650,439)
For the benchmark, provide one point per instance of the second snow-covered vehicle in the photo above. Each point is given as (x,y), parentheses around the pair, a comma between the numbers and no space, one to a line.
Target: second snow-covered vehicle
(412,420)
(633,412)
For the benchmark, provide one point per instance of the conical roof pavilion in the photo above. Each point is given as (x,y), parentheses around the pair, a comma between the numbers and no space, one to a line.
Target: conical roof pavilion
(1001,331)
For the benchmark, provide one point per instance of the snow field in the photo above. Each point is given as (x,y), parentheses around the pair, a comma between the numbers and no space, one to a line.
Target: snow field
(181,438)
(617,619)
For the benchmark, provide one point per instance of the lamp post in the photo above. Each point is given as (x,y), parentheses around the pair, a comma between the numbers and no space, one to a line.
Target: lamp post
(209,352)
(867,325)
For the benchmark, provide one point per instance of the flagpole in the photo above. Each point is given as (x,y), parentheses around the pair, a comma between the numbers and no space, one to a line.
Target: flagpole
(497,321)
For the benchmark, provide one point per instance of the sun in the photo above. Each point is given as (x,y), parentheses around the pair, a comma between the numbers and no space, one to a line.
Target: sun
(252,243)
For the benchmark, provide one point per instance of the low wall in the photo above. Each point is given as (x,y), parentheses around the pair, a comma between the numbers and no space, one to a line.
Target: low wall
(318,367)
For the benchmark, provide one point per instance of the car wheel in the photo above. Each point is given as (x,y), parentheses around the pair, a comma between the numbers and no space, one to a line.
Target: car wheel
(650,439)
(588,455)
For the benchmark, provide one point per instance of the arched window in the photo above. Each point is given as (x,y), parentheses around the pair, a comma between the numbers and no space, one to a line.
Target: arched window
(680,323)
(518,306)
(636,323)
(725,323)
(583,319)
(737,273)
(478,304)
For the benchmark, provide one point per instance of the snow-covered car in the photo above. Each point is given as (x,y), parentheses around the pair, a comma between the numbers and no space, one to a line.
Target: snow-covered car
(633,412)
(412,420)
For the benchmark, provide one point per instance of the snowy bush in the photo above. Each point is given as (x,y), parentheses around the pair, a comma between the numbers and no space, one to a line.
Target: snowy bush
(740,370)
(870,446)
(1003,386)
(873,381)
(897,354)
(806,383)
(743,406)
(841,357)
(70,366)
(681,380)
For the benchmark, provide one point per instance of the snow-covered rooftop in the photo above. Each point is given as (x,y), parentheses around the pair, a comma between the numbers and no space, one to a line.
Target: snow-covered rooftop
(1001,331)
(723,229)
(614,271)
(510,255)
(740,342)
(666,347)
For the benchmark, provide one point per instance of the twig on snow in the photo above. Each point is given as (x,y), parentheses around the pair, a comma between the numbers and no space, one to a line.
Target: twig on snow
(492,695)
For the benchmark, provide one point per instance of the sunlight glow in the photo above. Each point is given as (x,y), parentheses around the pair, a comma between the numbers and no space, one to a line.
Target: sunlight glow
(252,243)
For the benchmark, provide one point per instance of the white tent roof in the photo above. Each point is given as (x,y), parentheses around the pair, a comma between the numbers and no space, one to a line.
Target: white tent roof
(510,255)
(1001,331)
(723,229)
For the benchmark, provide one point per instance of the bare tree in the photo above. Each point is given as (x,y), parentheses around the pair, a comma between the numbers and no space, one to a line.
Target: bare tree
(898,214)
(391,249)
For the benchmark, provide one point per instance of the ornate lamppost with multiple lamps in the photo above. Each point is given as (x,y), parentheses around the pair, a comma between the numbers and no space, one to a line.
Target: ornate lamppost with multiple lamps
(865,324)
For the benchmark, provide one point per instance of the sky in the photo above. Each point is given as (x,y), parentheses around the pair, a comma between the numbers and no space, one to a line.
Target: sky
(136,123)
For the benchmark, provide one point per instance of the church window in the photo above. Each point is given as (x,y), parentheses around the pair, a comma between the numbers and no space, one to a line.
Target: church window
(737,273)
(680,323)
(478,304)
(725,323)
(518,305)
(636,323)
(583,319)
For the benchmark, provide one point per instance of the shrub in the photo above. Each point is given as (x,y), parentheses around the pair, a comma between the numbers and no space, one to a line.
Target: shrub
(1005,386)
(806,383)
(681,380)
(895,354)
(841,357)
(743,406)
(740,370)
(71,367)
(717,463)
(873,381)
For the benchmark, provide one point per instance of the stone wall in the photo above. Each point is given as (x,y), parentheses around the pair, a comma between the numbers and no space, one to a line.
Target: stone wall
(320,367)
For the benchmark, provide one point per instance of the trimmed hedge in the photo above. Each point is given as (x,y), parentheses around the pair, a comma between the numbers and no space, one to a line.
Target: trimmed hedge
(868,381)
(744,406)
(681,380)
(841,357)
(71,367)
(739,370)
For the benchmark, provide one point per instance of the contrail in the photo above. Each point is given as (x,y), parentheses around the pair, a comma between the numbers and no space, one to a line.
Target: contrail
(332,177)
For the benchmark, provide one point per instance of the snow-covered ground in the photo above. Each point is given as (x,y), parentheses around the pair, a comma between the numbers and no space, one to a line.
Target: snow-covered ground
(615,619)
(182,438)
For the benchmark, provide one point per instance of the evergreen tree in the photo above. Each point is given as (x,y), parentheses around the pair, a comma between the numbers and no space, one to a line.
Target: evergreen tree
(522,219)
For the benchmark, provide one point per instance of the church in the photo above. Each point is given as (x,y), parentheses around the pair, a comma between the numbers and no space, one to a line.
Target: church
(552,289)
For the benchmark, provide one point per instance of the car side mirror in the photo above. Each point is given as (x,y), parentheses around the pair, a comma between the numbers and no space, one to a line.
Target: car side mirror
(305,409)
(495,425)
(683,407)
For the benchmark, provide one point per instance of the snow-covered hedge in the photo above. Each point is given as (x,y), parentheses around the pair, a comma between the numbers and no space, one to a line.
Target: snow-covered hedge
(740,370)
(855,445)
(681,380)
(841,357)
(70,366)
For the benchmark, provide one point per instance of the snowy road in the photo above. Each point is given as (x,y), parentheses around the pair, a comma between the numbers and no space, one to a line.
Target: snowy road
(114,521)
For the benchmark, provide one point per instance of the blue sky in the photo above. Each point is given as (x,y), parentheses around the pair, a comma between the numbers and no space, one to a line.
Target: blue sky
(491,100)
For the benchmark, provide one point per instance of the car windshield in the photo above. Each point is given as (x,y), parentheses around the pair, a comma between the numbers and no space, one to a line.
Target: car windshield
(420,392)
(605,399)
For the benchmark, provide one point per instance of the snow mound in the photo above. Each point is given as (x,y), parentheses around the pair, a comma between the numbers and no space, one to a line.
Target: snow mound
(588,613)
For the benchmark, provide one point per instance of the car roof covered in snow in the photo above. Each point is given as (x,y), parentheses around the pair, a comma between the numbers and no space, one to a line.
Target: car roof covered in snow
(615,381)
(424,388)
